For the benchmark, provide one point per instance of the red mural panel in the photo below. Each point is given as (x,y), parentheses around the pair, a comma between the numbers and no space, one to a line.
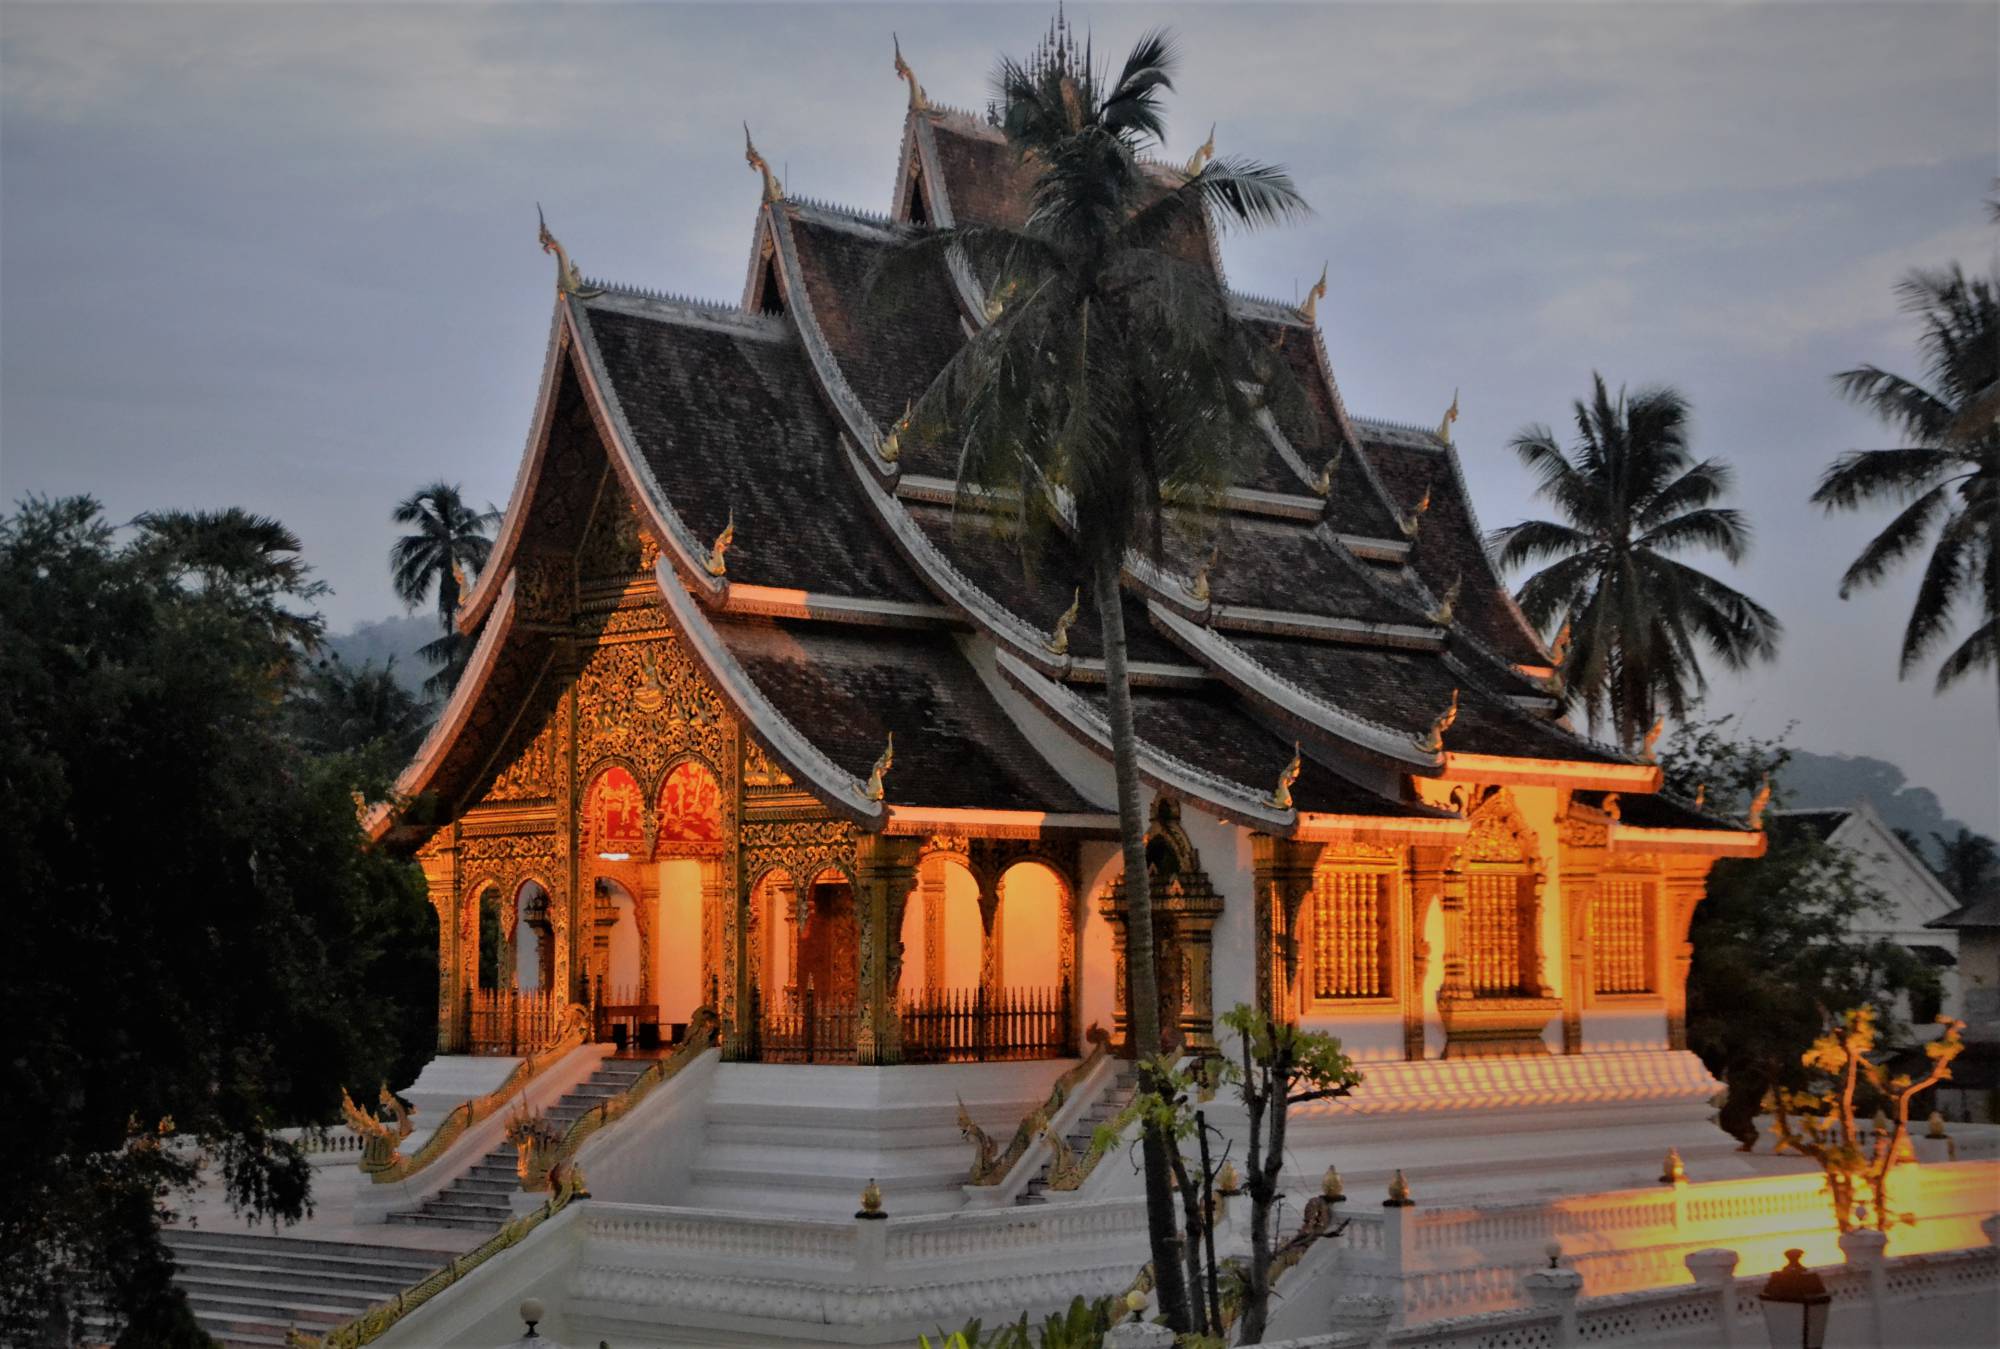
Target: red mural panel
(690,806)
(613,811)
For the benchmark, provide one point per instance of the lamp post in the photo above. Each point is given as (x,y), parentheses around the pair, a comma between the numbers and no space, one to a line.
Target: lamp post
(1795,1306)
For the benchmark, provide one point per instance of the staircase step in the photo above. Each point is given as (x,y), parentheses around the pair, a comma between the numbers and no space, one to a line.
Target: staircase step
(417,1219)
(374,1286)
(295,1252)
(237,1290)
(259,1305)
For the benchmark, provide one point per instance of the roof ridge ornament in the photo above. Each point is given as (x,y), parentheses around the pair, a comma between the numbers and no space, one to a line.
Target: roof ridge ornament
(1434,742)
(568,280)
(1653,738)
(1759,802)
(1205,152)
(1701,796)
(1058,644)
(716,563)
(883,763)
(1310,309)
(891,448)
(1197,589)
(1414,521)
(1442,614)
(1450,416)
(918,102)
(773,189)
(1281,795)
(1323,485)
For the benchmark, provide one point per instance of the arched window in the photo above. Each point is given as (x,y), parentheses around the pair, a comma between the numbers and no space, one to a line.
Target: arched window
(534,939)
(488,937)
(614,815)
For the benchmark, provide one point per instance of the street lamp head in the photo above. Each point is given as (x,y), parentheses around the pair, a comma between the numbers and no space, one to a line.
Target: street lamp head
(1795,1306)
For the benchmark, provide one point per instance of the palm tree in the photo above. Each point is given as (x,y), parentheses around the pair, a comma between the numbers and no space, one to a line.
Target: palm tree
(1947,479)
(1632,497)
(247,562)
(1106,390)
(1968,861)
(449,547)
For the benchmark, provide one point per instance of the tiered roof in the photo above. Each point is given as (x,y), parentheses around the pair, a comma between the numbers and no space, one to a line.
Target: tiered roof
(1341,614)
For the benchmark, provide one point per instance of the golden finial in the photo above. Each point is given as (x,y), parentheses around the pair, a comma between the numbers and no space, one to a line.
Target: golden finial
(1450,416)
(1311,307)
(568,282)
(773,189)
(1758,802)
(1611,806)
(1700,795)
(1399,1193)
(1652,739)
(1435,740)
(1058,645)
(871,1201)
(881,770)
(1323,484)
(1671,1170)
(1414,521)
(1202,155)
(1197,589)
(716,563)
(1281,795)
(892,444)
(918,103)
(1330,1187)
(1442,614)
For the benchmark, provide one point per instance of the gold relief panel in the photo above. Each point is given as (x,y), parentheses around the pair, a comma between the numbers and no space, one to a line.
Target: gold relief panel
(545,588)
(802,849)
(759,770)
(1498,833)
(645,702)
(532,774)
(612,546)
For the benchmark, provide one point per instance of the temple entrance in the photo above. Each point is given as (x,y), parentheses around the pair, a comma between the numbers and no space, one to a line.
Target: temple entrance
(827,947)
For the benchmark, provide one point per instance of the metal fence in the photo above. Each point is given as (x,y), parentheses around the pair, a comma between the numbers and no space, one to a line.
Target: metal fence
(979,1025)
(511,1021)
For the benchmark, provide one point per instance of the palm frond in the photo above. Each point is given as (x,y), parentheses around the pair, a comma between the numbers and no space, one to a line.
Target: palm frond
(1902,535)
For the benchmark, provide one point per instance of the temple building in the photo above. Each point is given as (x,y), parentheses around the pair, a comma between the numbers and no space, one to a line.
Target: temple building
(763,717)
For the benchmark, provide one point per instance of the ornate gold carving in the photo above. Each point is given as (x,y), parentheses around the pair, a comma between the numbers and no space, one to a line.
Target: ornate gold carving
(773,189)
(1434,741)
(1579,833)
(985,1152)
(568,282)
(1311,307)
(532,773)
(646,703)
(759,770)
(1450,416)
(1058,644)
(544,588)
(1281,795)
(918,103)
(802,849)
(883,763)
(1442,614)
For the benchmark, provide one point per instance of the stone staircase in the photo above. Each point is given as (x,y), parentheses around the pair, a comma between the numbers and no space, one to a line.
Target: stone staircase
(1117,1094)
(478,1198)
(249,1288)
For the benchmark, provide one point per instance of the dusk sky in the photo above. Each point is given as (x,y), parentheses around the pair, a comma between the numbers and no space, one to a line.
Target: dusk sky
(284,256)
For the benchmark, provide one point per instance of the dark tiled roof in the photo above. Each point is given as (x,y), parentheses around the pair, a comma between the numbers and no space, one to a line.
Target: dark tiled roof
(847,688)
(1659,812)
(1272,565)
(1982,914)
(1819,824)
(726,418)
(985,180)
(892,337)
(1408,690)
(1448,547)
(991,562)
(1355,507)
(1209,730)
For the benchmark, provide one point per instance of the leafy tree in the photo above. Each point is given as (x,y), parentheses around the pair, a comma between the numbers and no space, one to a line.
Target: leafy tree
(197,933)
(1774,941)
(1632,500)
(1945,477)
(1967,862)
(449,546)
(365,712)
(1106,391)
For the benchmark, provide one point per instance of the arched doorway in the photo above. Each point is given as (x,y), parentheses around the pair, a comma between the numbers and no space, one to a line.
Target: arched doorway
(486,936)
(534,940)
(1030,933)
(943,938)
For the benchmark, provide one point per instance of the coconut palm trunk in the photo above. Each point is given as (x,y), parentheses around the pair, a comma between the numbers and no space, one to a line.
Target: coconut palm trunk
(1142,976)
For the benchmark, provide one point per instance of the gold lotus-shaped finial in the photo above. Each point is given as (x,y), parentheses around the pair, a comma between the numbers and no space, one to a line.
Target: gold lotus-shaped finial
(1672,1171)
(1399,1192)
(1330,1187)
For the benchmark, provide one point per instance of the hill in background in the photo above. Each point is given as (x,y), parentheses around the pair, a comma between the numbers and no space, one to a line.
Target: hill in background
(398,638)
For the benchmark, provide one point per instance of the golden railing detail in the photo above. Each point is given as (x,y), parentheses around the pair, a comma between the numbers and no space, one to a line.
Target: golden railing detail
(1068,1170)
(575,1030)
(990,1167)
(372,1324)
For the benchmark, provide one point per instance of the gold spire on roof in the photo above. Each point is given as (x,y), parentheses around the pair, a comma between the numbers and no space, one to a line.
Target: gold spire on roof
(716,563)
(1450,416)
(773,189)
(1281,795)
(1323,484)
(1311,307)
(1652,739)
(1435,740)
(1758,802)
(918,103)
(568,282)
(1058,645)
(1202,155)
(881,769)
(1197,589)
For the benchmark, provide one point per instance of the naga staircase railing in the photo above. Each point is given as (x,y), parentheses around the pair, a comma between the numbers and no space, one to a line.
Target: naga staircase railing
(990,1164)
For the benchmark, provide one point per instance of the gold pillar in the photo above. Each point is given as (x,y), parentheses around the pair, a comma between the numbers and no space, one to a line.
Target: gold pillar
(885,872)
(1284,872)
(439,860)
(1426,877)
(931,879)
(1583,859)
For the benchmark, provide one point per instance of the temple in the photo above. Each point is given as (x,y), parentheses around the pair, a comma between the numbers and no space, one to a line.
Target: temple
(763,717)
